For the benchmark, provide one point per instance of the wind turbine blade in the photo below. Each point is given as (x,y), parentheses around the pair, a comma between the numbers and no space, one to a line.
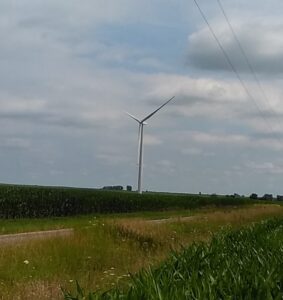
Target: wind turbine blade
(133,117)
(139,143)
(154,112)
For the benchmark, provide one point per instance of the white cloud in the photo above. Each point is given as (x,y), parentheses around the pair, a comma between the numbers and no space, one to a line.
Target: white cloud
(210,138)
(233,140)
(266,167)
(165,166)
(151,140)
(192,151)
(112,158)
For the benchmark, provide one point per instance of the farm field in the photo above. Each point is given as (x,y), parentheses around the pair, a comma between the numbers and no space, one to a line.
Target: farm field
(242,264)
(105,249)
(18,201)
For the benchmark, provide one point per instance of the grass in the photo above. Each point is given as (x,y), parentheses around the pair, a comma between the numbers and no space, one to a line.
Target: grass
(105,249)
(244,264)
(184,228)
(8,226)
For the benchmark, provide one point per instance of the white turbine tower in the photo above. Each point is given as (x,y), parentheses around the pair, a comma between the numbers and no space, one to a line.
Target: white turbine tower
(140,145)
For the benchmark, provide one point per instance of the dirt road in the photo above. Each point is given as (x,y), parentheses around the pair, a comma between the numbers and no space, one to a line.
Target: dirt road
(21,237)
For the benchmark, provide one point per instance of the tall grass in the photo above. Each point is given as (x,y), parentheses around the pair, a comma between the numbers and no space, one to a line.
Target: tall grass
(91,254)
(245,264)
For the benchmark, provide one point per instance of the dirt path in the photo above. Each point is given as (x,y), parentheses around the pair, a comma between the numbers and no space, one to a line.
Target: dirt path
(167,220)
(25,236)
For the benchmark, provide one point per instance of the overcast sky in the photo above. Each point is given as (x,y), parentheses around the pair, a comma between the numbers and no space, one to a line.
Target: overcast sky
(69,70)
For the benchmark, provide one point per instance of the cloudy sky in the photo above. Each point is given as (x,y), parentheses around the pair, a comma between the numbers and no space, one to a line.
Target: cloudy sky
(70,69)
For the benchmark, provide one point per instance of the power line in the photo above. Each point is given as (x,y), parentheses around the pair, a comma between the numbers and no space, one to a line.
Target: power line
(232,66)
(246,58)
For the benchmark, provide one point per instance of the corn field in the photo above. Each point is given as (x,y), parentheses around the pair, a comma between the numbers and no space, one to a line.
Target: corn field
(34,201)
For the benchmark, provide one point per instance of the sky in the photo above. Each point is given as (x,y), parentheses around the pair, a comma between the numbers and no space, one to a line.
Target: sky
(70,69)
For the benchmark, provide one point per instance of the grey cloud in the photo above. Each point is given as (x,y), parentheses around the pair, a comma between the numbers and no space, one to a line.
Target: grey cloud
(226,138)
(262,43)
(181,100)
(15,143)
(70,121)
(270,135)
(51,119)
(24,116)
(267,113)
(80,128)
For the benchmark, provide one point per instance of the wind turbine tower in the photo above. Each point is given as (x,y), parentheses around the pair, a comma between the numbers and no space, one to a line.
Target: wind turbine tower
(140,141)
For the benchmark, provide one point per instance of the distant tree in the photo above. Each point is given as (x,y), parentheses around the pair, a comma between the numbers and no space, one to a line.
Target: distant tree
(129,188)
(113,187)
(253,196)
(267,197)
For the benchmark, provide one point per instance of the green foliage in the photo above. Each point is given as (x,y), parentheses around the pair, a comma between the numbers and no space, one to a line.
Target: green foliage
(80,294)
(245,264)
(36,202)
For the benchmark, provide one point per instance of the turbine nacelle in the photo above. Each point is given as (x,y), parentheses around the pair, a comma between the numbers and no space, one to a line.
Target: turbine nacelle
(136,119)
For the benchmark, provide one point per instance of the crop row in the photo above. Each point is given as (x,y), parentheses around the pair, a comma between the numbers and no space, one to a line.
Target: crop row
(246,264)
(34,201)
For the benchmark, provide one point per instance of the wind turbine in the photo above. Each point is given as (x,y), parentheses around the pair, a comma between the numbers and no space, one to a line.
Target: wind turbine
(140,141)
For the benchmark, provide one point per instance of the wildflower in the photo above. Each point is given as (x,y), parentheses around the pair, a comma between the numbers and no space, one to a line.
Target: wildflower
(112,274)
(26,262)
(112,268)
(71,280)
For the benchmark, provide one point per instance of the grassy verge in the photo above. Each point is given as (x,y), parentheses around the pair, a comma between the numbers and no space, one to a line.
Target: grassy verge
(104,250)
(244,264)
(9,226)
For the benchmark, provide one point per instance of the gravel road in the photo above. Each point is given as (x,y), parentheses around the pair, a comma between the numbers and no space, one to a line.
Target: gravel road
(21,237)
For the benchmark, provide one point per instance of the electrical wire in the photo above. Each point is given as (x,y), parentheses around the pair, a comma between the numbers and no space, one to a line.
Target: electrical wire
(233,67)
(252,70)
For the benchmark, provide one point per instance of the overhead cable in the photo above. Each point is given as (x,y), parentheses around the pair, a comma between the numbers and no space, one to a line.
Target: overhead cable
(233,67)
(243,52)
